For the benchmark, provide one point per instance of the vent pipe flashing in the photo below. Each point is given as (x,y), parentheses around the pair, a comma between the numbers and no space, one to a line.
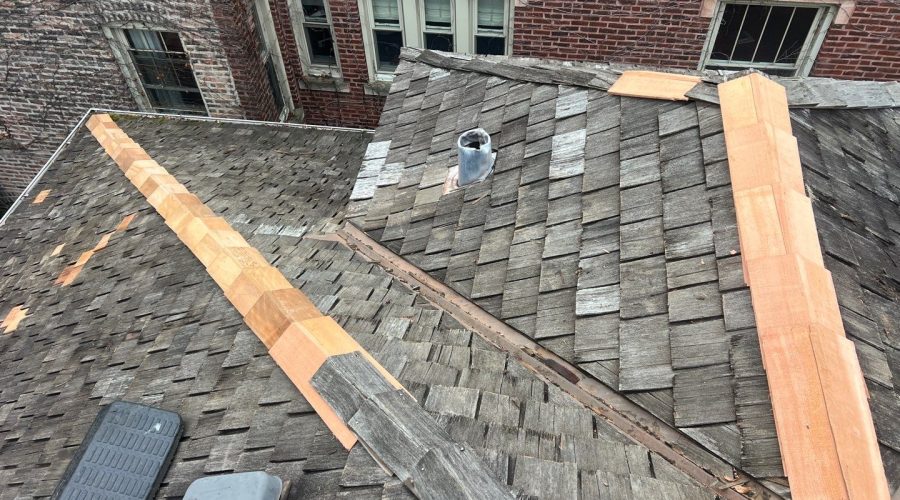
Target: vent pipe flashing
(475,158)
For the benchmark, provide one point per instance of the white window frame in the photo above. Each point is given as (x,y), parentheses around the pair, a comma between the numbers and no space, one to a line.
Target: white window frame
(507,26)
(298,23)
(423,28)
(271,49)
(805,60)
(463,23)
(115,34)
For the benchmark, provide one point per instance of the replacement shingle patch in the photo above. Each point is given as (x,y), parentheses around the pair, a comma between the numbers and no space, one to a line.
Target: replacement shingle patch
(71,272)
(41,196)
(825,430)
(654,85)
(13,318)
(300,338)
(567,154)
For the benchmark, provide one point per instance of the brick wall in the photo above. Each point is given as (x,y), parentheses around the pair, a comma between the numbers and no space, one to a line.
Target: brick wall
(56,63)
(242,46)
(649,32)
(866,48)
(350,109)
(671,33)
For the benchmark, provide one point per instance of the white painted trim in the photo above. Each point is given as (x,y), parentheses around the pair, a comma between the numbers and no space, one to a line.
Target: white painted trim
(295,9)
(842,16)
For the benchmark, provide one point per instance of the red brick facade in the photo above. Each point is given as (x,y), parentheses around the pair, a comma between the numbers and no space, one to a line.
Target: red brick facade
(60,63)
(672,34)
(349,109)
(866,48)
(57,63)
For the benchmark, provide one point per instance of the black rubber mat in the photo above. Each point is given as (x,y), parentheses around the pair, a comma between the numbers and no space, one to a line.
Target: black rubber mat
(124,456)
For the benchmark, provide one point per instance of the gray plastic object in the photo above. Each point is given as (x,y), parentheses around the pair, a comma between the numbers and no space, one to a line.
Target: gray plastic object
(475,163)
(240,486)
(124,455)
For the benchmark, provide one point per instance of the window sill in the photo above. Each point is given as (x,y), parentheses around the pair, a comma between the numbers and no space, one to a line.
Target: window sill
(324,82)
(380,86)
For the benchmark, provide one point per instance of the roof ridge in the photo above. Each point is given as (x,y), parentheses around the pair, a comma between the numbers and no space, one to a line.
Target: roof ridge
(802,92)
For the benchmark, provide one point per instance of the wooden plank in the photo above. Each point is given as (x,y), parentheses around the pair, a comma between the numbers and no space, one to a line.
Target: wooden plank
(848,412)
(760,155)
(754,99)
(789,290)
(346,380)
(823,421)
(801,417)
(654,85)
(455,472)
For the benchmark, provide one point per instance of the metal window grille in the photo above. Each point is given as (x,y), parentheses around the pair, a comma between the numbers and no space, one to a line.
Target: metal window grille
(779,38)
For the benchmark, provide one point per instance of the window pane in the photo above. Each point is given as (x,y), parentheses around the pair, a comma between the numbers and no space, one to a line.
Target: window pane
(388,45)
(796,35)
(439,41)
(490,45)
(314,9)
(750,33)
(164,71)
(490,14)
(144,40)
(171,41)
(771,37)
(153,69)
(175,101)
(437,13)
(386,12)
(728,31)
(321,47)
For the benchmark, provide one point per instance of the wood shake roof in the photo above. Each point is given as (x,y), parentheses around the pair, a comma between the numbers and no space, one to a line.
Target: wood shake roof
(608,231)
(688,294)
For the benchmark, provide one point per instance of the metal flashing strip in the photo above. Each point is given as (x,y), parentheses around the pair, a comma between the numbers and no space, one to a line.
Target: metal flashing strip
(707,469)
(822,417)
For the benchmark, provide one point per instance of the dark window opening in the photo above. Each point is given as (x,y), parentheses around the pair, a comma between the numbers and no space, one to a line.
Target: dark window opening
(490,45)
(321,46)
(388,44)
(165,71)
(439,41)
(770,37)
(314,9)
